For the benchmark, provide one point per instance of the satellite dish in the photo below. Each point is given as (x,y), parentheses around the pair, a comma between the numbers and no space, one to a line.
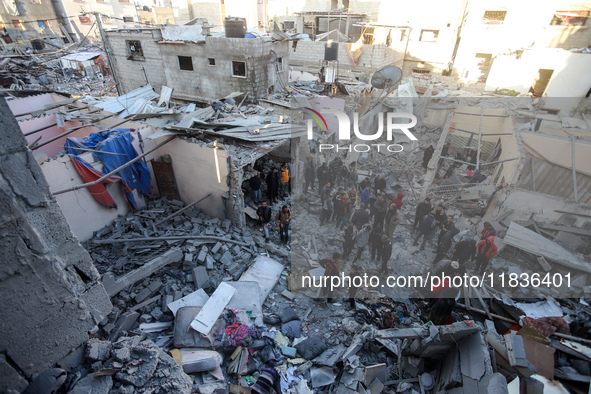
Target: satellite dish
(386,77)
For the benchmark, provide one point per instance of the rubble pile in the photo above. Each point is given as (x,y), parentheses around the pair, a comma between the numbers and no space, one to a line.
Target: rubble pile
(44,72)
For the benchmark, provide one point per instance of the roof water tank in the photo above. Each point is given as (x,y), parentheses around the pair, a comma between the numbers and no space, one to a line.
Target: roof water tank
(235,27)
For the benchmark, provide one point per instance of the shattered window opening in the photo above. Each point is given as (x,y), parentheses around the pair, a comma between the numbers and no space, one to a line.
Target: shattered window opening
(211,61)
(239,69)
(429,35)
(128,19)
(494,17)
(569,18)
(186,63)
(134,49)
(279,64)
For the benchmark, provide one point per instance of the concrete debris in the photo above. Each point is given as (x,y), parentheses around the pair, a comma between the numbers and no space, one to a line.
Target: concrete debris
(203,305)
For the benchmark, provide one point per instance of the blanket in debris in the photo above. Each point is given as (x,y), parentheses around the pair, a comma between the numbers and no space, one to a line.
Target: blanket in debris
(113,148)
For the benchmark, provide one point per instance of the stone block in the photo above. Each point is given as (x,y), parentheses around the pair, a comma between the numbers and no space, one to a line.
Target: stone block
(201,277)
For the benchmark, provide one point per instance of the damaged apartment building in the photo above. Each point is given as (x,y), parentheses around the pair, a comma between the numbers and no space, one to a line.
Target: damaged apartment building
(199,66)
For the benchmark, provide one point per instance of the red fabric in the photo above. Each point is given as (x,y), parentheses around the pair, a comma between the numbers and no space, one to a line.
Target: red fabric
(445,285)
(546,326)
(98,191)
(483,250)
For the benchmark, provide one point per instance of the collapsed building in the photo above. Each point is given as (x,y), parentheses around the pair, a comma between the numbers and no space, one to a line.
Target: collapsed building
(166,262)
(176,290)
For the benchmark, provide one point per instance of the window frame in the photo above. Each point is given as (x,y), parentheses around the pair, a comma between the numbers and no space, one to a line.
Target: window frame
(131,52)
(280,63)
(190,58)
(556,18)
(435,35)
(486,21)
(211,61)
(245,70)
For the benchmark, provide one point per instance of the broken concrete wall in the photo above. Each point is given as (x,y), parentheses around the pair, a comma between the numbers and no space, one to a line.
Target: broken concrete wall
(546,208)
(373,56)
(194,166)
(568,83)
(50,289)
(82,211)
(135,73)
(218,81)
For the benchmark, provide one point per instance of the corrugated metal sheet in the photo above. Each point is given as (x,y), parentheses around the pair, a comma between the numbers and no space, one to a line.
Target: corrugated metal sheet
(129,100)
(554,180)
(82,56)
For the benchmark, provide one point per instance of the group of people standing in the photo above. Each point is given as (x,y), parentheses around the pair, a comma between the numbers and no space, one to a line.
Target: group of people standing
(428,221)
(367,217)
(278,184)
(278,187)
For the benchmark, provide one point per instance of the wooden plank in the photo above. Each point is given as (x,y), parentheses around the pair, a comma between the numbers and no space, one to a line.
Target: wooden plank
(213,308)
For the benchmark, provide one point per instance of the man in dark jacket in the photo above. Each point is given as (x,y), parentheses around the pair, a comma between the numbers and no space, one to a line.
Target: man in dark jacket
(445,227)
(385,252)
(379,184)
(445,244)
(440,215)
(333,169)
(379,211)
(264,214)
(255,187)
(375,241)
(364,183)
(464,251)
(426,226)
(361,216)
(322,175)
(427,156)
(349,240)
(272,185)
(423,208)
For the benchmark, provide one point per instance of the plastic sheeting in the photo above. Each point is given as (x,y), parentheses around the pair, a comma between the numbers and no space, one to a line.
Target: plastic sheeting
(118,150)
(99,191)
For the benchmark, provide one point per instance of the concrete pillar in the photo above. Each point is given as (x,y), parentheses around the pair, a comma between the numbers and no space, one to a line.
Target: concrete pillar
(51,292)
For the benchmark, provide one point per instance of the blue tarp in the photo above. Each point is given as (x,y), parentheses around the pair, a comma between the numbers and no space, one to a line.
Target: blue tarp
(136,176)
